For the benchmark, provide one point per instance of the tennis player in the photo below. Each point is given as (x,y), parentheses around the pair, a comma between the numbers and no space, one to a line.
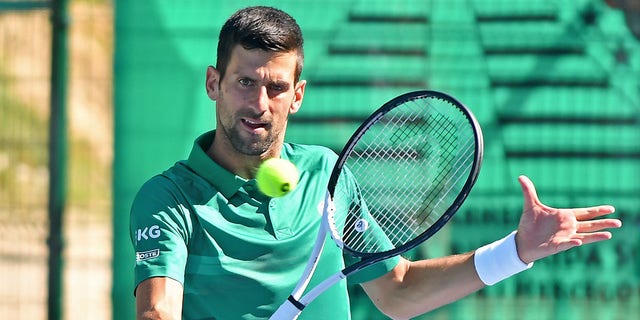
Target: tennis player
(209,245)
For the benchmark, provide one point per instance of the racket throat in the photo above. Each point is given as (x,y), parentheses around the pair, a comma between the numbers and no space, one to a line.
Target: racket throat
(296,303)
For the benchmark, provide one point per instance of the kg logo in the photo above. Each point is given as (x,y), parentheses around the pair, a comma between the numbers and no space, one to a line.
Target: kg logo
(148,232)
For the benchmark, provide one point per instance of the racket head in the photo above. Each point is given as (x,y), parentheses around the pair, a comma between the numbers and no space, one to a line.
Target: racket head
(403,174)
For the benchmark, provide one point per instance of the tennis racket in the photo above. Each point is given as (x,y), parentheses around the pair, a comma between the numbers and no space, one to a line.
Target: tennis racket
(399,179)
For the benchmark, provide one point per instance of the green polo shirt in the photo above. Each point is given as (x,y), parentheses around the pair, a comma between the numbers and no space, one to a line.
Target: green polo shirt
(237,252)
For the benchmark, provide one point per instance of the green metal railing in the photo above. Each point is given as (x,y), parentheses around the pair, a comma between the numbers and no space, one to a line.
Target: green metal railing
(58,150)
(57,147)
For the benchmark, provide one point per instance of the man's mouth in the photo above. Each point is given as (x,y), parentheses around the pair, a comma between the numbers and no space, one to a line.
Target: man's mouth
(252,124)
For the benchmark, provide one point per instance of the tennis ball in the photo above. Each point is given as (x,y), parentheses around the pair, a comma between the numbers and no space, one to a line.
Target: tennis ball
(276,177)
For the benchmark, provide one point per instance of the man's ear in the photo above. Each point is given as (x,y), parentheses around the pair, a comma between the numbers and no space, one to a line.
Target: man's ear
(212,83)
(298,94)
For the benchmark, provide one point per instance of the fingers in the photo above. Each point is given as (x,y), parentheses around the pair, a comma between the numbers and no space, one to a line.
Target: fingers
(593,212)
(528,191)
(579,239)
(587,238)
(598,225)
(531,198)
(571,243)
(581,214)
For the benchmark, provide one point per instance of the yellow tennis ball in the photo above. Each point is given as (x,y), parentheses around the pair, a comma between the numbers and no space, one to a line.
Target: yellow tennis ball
(276,177)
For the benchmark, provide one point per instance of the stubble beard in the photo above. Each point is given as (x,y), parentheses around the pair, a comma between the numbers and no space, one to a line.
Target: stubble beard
(252,145)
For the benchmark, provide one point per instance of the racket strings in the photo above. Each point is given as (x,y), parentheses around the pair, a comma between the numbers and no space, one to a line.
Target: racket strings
(432,207)
(410,166)
(394,153)
(414,221)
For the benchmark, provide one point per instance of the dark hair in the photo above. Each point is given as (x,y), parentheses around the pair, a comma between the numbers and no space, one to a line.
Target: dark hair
(263,28)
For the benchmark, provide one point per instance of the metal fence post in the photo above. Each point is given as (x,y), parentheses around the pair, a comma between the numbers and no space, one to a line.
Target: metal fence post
(58,157)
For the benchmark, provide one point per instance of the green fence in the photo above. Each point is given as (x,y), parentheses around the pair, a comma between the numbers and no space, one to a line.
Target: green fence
(555,85)
(55,159)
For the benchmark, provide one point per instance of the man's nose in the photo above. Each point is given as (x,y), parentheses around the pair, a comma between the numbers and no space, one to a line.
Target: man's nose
(261,102)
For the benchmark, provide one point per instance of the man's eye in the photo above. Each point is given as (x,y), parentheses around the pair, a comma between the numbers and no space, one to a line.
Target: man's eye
(276,87)
(245,82)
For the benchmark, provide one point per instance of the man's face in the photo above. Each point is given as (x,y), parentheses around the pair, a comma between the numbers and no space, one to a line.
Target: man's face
(255,98)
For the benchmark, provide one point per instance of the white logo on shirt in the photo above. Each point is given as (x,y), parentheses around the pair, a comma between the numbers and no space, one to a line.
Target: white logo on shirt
(146,255)
(148,232)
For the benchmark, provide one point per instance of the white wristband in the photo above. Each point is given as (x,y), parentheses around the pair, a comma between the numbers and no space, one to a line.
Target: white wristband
(499,260)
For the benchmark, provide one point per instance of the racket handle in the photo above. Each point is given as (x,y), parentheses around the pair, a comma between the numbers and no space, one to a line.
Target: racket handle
(289,310)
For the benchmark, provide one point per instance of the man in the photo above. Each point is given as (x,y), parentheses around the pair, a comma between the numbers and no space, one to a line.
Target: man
(209,245)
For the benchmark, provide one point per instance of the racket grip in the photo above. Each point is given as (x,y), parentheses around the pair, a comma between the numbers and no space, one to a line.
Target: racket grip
(288,310)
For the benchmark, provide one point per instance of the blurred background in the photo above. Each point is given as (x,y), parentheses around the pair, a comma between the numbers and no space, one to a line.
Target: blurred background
(97,96)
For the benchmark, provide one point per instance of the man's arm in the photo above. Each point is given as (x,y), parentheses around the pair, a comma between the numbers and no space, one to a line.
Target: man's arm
(413,288)
(159,298)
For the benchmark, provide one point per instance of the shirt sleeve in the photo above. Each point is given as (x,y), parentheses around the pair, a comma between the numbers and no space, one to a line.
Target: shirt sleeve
(369,237)
(159,229)
(374,271)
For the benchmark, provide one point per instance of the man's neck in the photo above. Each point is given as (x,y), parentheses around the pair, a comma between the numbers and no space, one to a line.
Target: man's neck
(222,152)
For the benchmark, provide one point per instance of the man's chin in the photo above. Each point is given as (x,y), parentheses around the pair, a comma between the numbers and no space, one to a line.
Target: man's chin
(252,148)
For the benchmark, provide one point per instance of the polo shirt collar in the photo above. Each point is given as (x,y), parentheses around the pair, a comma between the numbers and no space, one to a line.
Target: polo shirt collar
(223,180)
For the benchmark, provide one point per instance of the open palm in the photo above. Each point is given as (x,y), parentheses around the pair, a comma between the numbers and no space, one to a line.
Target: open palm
(544,231)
